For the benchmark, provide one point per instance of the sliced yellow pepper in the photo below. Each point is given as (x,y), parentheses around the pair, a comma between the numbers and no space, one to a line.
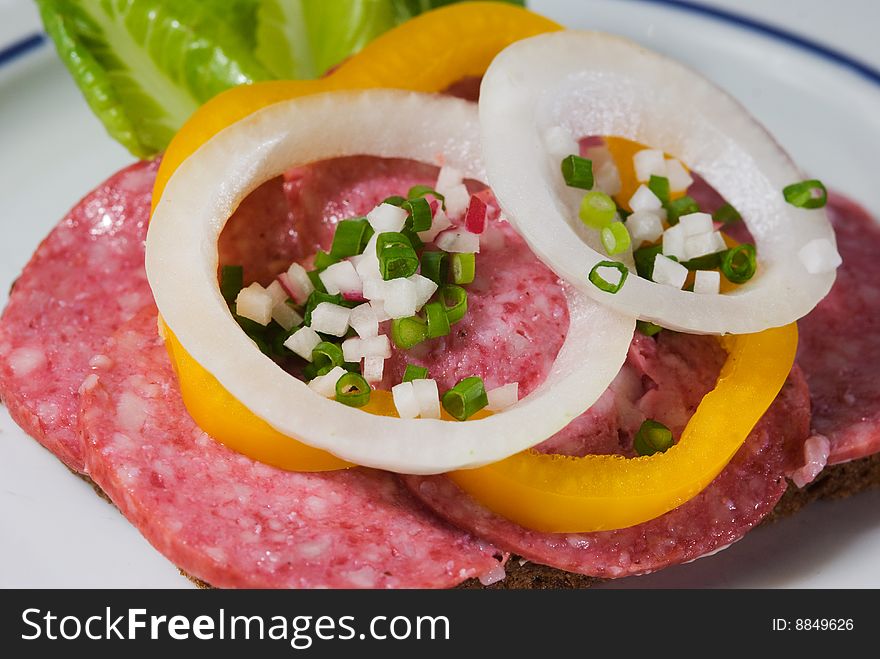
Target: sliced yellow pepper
(428,54)
(560,494)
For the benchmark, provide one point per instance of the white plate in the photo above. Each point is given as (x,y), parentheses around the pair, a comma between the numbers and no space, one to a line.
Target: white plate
(57,533)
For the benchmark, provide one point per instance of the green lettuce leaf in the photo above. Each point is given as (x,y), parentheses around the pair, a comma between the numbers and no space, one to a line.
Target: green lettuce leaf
(144,66)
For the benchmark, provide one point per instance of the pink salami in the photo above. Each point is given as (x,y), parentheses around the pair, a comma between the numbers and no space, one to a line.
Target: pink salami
(840,341)
(234,522)
(85,279)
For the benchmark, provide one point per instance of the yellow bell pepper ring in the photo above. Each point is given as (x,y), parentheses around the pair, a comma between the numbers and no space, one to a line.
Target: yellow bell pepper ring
(411,56)
(561,494)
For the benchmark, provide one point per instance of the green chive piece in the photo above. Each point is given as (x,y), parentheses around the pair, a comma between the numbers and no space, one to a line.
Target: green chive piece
(434,266)
(806,194)
(323,260)
(413,238)
(438,321)
(603,284)
(397,258)
(463,268)
(353,390)
(706,262)
(255,331)
(648,329)
(408,332)
(739,263)
(414,372)
(681,206)
(597,209)
(422,190)
(394,200)
(316,281)
(351,238)
(644,259)
(455,303)
(652,437)
(727,214)
(420,216)
(231,282)
(615,238)
(315,298)
(577,172)
(465,398)
(659,185)
(326,356)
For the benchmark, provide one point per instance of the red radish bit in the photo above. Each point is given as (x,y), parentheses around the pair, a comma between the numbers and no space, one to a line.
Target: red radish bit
(353,296)
(475,218)
(284,280)
(434,204)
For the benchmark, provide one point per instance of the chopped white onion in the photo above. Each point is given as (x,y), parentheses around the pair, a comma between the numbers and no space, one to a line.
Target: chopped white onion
(277,293)
(607,178)
(694,224)
(582,80)
(447,178)
(302,342)
(373,369)
(644,200)
(503,397)
(425,288)
(325,385)
(559,143)
(300,284)
(644,226)
(819,256)
(707,282)
(405,400)
(386,218)
(286,316)
(254,303)
(341,278)
(428,398)
(457,200)
(367,265)
(374,289)
(703,244)
(329,318)
(462,242)
(679,179)
(353,349)
(376,346)
(669,272)
(378,307)
(674,243)
(206,188)
(364,320)
(440,222)
(648,163)
(400,297)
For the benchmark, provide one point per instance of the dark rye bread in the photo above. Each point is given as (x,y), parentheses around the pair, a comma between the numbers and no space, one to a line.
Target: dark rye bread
(835,482)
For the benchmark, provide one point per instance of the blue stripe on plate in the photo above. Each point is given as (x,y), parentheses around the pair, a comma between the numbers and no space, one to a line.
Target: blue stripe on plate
(766,29)
(21,47)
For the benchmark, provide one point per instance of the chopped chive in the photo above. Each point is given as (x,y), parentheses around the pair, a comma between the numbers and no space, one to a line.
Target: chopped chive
(455,303)
(394,200)
(231,282)
(353,390)
(739,263)
(414,372)
(413,238)
(422,190)
(408,332)
(465,398)
(681,206)
(326,356)
(727,214)
(644,259)
(351,238)
(255,332)
(577,172)
(615,238)
(463,268)
(806,194)
(396,256)
(323,260)
(438,321)
(316,281)
(659,185)
(646,328)
(652,437)
(434,266)
(603,284)
(315,298)
(597,209)
(706,262)
(420,215)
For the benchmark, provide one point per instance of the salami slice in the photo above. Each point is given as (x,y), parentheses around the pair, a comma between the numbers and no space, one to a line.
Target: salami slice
(840,340)
(736,500)
(234,522)
(85,279)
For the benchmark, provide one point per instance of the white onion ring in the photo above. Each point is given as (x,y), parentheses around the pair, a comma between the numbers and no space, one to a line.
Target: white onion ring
(599,84)
(182,269)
